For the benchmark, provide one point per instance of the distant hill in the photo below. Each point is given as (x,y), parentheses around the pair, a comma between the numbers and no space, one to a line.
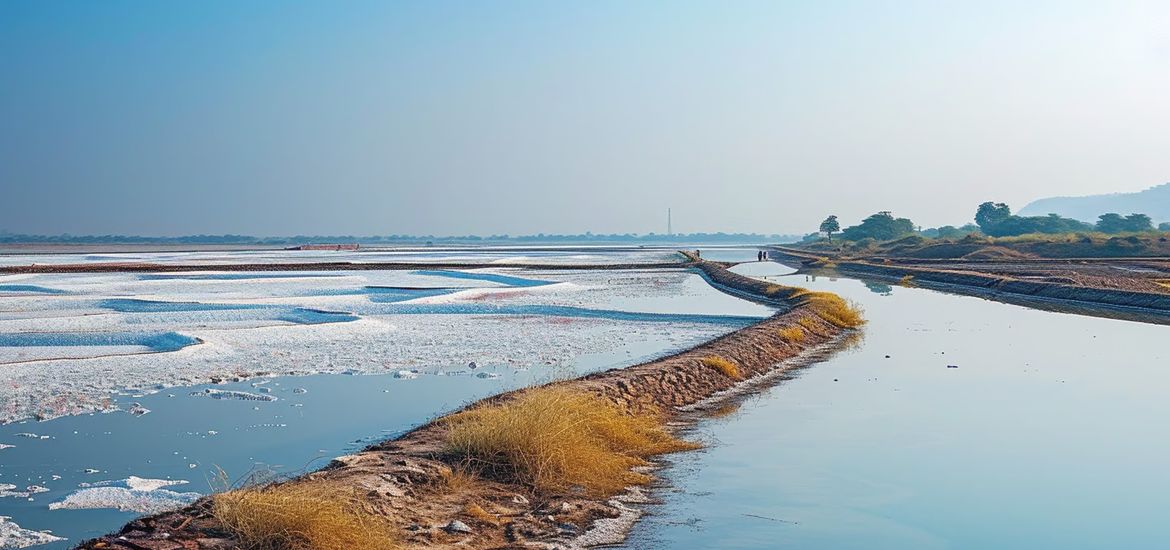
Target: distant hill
(1153,202)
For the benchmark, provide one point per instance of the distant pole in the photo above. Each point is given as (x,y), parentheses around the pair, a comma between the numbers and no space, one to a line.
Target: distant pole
(669,229)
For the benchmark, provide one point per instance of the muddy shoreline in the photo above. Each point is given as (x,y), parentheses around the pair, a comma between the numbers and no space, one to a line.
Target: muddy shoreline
(403,479)
(1146,307)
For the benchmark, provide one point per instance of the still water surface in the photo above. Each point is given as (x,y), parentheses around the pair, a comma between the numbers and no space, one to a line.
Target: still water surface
(1047,431)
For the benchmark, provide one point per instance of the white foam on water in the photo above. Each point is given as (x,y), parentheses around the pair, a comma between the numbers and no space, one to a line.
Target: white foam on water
(495,293)
(13,536)
(243,343)
(146,484)
(133,494)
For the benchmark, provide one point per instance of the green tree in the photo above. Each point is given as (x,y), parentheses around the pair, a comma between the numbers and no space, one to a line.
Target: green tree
(1115,223)
(1164,226)
(882,226)
(830,226)
(1110,223)
(991,214)
(1139,223)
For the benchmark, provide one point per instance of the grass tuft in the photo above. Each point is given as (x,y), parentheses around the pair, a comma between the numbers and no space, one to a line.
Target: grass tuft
(833,308)
(556,439)
(305,516)
(459,480)
(476,512)
(792,335)
(725,366)
(907,281)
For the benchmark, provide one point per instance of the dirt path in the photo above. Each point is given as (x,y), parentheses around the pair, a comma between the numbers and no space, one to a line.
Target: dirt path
(407,479)
(1078,288)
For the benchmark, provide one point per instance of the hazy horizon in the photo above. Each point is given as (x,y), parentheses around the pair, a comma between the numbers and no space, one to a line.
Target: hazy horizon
(376,118)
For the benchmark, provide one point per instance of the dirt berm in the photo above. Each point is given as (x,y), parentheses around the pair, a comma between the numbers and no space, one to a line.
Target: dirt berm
(1146,307)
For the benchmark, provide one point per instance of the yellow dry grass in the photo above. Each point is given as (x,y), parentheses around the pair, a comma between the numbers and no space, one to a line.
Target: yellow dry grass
(792,335)
(476,512)
(558,439)
(907,281)
(725,366)
(459,480)
(810,325)
(302,516)
(832,308)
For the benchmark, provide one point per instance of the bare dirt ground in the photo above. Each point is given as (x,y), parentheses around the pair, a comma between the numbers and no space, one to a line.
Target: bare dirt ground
(1122,274)
(1150,275)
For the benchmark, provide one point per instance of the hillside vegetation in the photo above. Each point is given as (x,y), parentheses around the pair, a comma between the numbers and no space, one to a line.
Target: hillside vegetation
(978,247)
(1154,202)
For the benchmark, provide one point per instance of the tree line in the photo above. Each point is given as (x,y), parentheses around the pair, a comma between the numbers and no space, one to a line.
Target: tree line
(994,219)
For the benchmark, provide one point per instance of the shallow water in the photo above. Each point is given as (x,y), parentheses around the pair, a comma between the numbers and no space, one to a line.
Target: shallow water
(190,436)
(415,334)
(988,426)
(476,254)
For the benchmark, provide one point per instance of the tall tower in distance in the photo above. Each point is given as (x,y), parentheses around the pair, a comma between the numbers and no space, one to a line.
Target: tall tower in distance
(669,229)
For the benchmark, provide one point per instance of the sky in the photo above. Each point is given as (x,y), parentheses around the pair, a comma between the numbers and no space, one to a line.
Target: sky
(450,118)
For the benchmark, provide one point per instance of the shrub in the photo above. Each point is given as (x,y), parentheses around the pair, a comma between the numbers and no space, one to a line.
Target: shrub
(793,334)
(301,516)
(556,439)
(725,366)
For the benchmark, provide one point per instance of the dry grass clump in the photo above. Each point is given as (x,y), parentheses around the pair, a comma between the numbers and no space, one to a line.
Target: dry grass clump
(810,325)
(725,366)
(792,334)
(832,308)
(301,516)
(557,439)
(822,262)
(476,512)
(458,480)
(907,281)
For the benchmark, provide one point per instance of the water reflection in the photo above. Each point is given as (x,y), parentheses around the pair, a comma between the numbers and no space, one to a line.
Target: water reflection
(957,423)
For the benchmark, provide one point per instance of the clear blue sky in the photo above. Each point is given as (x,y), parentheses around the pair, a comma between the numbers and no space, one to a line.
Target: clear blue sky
(274,118)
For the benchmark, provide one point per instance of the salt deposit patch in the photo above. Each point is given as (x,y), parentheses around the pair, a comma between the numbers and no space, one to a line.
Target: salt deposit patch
(556,317)
(13,536)
(133,494)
